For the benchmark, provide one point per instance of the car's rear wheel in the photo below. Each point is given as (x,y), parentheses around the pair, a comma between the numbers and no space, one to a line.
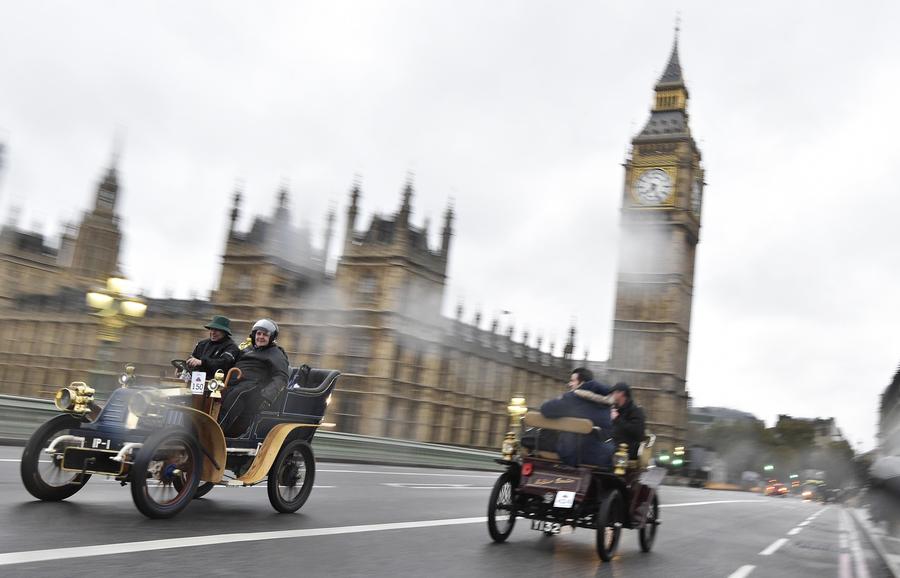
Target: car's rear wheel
(501,517)
(42,473)
(166,456)
(647,534)
(609,524)
(291,476)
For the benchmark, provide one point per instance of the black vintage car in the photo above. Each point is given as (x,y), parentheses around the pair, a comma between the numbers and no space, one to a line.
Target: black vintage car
(558,498)
(163,439)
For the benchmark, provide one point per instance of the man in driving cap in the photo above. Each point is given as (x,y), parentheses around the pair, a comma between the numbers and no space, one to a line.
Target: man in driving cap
(217,352)
(627,419)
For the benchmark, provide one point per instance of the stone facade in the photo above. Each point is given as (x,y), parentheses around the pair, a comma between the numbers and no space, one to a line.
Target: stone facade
(408,371)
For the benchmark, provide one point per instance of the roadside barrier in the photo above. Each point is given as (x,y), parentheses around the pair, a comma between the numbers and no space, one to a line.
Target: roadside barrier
(20,416)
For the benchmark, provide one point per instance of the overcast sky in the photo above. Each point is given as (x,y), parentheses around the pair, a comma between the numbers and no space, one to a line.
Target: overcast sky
(522,112)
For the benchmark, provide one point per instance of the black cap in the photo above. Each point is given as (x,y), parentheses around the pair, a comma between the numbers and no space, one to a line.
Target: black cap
(622,386)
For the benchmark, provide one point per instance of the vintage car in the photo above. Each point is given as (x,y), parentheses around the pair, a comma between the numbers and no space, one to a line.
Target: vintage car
(558,498)
(163,439)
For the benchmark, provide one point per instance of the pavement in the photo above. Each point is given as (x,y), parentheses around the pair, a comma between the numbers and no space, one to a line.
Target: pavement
(369,520)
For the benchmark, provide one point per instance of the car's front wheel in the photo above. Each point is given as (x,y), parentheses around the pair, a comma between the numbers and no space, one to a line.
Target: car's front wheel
(647,534)
(501,516)
(291,477)
(42,473)
(166,473)
(609,524)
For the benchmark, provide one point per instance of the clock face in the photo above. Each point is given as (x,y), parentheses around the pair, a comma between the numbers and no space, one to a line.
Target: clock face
(653,187)
(696,198)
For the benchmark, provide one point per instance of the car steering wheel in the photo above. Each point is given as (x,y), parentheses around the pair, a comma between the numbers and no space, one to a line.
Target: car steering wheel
(180,365)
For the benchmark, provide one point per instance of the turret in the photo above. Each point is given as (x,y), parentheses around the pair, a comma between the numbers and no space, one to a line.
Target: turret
(352,212)
(406,205)
(329,235)
(569,348)
(235,209)
(447,232)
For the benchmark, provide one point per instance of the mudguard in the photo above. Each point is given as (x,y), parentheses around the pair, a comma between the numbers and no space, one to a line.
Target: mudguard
(261,465)
(211,439)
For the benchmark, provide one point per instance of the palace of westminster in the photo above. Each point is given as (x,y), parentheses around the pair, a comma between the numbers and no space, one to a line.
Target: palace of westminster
(408,371)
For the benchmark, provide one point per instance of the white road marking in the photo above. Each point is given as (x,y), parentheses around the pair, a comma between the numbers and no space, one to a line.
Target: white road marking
(713,502)
(415,486)
(844,568)
(742,572)
(859,561)
(795,531)
(30,556)
(17,460)
(774,546)
(410,474)
(806,523)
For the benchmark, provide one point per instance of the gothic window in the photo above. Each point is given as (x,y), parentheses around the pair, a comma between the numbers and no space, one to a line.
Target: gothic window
(348,415)
(358,351)
(368,289)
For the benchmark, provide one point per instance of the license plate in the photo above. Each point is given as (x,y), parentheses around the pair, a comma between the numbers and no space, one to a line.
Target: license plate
(544,526)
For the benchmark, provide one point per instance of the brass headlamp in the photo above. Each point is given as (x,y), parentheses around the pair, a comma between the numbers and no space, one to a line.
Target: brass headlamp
(516,409)
(77,398)
(128,377)
(620,460)
(216,384)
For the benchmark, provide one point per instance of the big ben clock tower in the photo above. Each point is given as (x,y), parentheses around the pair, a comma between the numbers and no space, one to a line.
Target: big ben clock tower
(660,229)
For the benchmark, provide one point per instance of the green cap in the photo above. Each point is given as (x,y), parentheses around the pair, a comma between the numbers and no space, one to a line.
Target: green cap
(221,323)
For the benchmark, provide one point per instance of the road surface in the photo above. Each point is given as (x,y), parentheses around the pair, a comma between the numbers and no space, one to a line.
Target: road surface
(394,521)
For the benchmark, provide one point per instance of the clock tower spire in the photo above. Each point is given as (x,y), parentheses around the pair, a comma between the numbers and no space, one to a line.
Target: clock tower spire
(660,229)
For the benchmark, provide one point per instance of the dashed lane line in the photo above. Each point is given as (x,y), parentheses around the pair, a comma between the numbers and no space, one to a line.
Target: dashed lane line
(773,547)
(795,531)
(742,572)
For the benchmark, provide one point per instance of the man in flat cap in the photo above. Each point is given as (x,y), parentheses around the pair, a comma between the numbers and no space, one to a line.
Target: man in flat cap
(217,352)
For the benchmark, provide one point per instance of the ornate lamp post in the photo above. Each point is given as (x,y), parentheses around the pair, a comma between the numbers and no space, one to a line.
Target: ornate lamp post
(116,307)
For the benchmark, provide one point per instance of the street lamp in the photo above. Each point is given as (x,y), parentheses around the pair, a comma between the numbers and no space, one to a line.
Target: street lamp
(116,306)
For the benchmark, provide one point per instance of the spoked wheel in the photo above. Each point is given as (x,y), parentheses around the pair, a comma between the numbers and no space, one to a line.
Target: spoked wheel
(609,524)
(501,517)
(165,473)
(647,534)
(42,473)
(203,489)
(291,477)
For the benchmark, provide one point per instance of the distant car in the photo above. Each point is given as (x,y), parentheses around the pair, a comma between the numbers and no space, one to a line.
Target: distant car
(832,495)
(776,489)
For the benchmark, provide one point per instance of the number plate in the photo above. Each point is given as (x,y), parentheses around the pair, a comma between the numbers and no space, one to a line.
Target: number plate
(543,526)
